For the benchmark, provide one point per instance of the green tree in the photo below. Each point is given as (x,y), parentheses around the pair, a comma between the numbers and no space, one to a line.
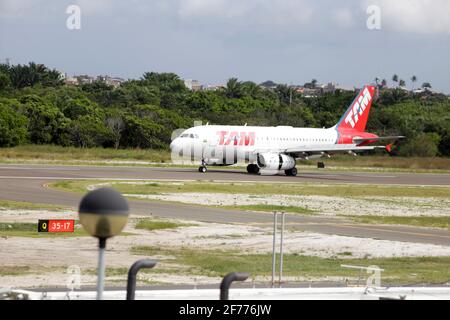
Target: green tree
(164,81)
(413,81)
(5,81)
(424,145)
(251,89)
(395,78)
(46,123)
(87,131)
(285,93)
(13,126)
(76,108)
(234,88)
(141,133)
(29,75)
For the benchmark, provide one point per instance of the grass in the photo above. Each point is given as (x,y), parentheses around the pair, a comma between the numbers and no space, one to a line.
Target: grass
(102,156)
(263,188)
(151,224)
(25,229)
(55,153)
(386,161)
(273,208)
(6,204)
(431,270)
(30,230)
(14,270)
(431,222)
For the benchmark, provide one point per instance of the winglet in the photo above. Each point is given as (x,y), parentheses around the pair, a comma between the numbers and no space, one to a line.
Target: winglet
(389,147)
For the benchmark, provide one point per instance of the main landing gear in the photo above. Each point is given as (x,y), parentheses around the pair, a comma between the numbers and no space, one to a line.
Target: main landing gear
(291,172)
(202,169)
(253,168)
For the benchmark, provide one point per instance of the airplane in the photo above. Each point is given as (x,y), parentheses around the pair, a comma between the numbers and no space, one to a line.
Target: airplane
(271,150)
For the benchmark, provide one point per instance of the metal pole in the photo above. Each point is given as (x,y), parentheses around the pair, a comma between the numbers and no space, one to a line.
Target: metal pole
(131,283)
(281,247)
(101,268)
(227,280)
(275,214)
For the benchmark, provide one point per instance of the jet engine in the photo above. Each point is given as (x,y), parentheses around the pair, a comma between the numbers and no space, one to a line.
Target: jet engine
(275,161)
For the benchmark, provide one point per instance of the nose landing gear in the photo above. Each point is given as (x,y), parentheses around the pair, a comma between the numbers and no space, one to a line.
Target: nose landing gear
(202,169)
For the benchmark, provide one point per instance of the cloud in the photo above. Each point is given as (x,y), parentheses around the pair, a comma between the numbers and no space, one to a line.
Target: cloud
(261,12)
(417,16)
(213,8)
(17,8)
(343,17)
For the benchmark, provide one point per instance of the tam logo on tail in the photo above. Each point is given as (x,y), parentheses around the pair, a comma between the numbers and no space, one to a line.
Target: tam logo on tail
(357,114)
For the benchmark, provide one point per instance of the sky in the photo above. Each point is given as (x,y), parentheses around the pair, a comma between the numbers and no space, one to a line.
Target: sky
(287,41)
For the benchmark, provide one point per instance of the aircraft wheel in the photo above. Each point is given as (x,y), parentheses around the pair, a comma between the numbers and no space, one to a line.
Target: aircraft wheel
(202,169)
(252,169)
(291,172)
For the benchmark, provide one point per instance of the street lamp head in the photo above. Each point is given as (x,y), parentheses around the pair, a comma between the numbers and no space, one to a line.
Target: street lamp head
(103,213)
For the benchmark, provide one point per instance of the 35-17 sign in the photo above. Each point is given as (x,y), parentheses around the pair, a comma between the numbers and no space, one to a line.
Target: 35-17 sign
(56,225)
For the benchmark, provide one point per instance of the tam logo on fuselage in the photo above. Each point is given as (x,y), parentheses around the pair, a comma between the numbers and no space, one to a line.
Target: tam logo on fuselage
(358,108)
(236,138)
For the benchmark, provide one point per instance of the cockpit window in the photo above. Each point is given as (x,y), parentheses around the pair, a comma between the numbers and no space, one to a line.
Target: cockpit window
(191,135)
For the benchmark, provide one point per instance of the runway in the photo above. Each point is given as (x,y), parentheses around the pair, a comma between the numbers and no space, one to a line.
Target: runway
(96,172)
(27,183)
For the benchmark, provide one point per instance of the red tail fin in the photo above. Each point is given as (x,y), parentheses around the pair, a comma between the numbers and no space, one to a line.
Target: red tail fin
(357,114)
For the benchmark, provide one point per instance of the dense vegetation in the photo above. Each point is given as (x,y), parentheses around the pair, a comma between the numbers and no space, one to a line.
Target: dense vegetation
(36,107)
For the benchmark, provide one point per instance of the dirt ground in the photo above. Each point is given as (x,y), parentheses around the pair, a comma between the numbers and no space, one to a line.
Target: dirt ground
(49,258)
(323,205)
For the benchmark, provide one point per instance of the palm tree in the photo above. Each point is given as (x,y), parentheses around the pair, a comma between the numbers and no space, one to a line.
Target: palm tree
(395,78)
(285,93)
(313,83)
(402,83)
(377,80)
(233,88)
(250,88)
(413,80)
(384,83)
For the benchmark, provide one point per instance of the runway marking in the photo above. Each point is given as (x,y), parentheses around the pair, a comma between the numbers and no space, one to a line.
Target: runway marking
(362,226)
(391,231)
(87,178)
(42,168)
(371,176)
(228,181)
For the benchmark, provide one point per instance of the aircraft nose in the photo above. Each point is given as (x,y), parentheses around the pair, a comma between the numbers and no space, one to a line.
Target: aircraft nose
(174,144)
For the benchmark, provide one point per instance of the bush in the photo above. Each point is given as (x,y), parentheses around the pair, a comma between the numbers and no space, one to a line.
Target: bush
(424,145)
(13,127)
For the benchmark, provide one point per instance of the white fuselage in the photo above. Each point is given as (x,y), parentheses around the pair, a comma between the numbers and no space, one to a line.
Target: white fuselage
(224,145)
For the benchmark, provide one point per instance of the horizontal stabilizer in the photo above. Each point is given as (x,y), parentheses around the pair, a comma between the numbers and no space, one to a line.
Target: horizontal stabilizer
(359,140)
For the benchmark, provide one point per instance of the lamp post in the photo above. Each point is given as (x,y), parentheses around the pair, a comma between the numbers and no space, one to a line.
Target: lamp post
(103,214)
